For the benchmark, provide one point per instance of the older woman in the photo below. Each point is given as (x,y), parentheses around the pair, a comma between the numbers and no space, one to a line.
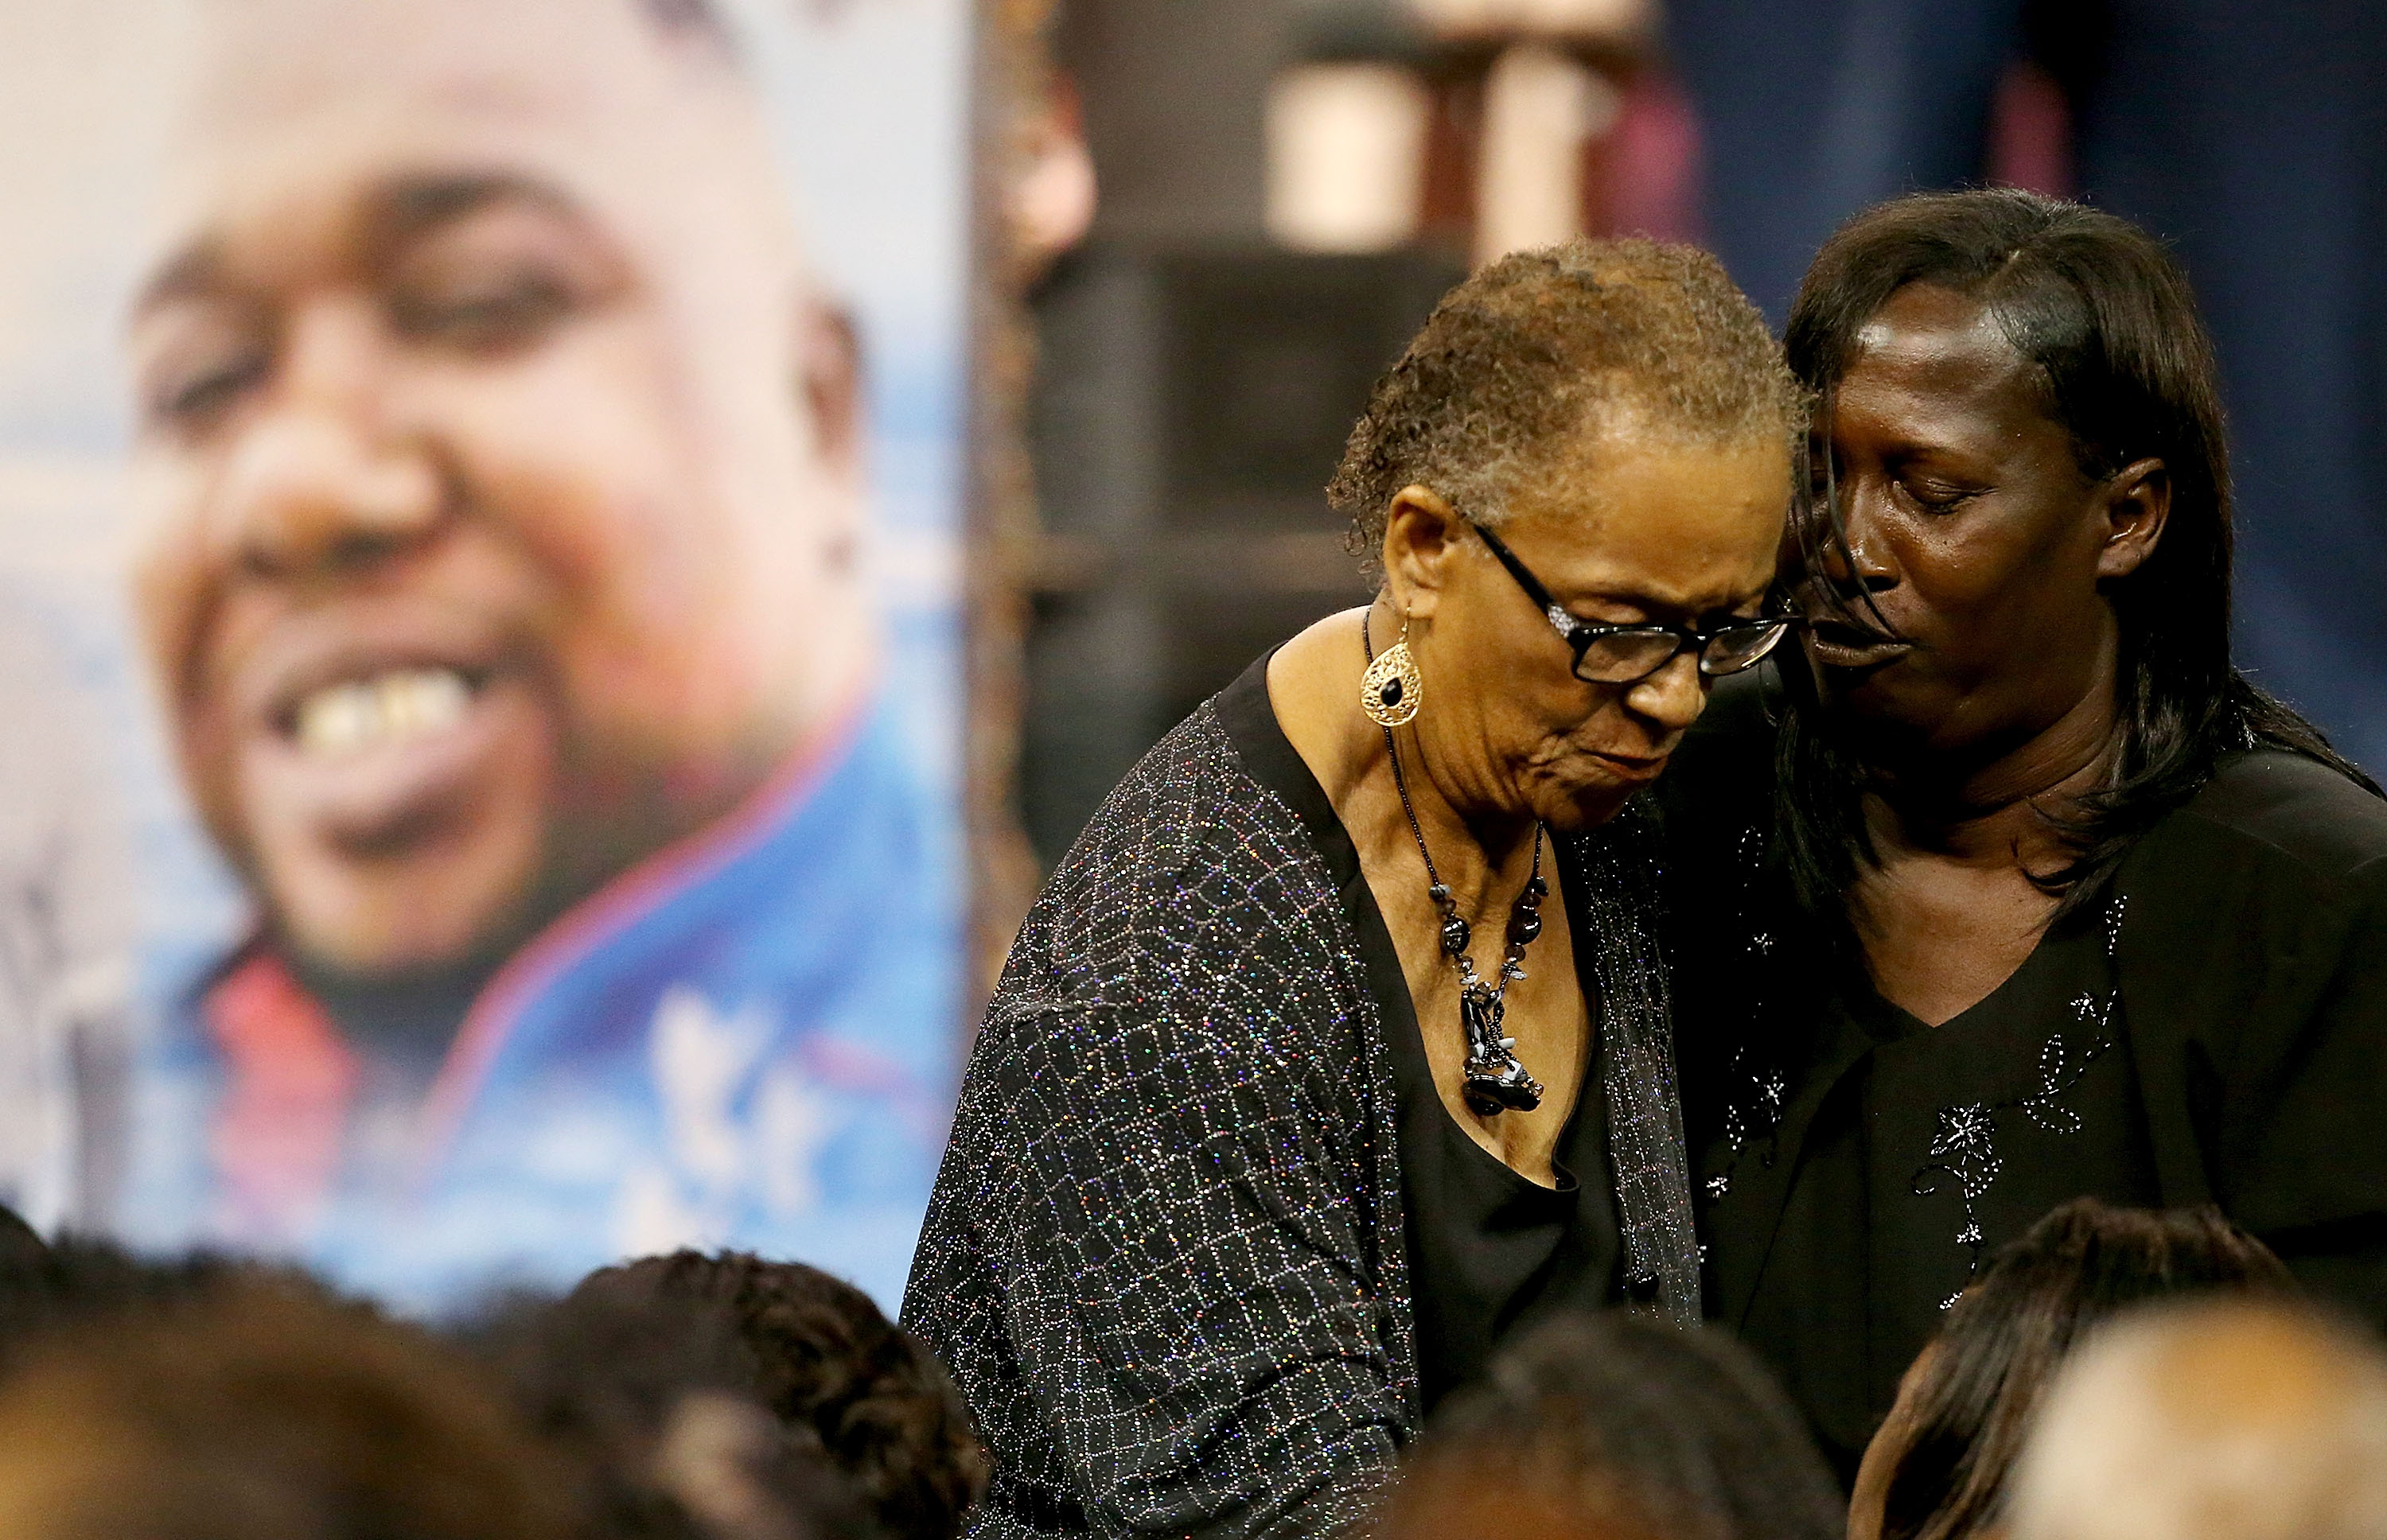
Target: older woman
(2006,887)
(1338,1045)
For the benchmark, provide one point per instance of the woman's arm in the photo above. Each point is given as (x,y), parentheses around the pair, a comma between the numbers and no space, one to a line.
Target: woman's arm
(2301,1139)
(2253,963)
(1157,1266)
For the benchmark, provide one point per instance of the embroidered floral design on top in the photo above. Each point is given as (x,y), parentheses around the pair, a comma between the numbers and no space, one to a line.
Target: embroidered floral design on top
(1963,1142)
(1754,1117)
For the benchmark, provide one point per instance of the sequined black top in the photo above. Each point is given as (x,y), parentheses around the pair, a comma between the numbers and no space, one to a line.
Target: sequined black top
(2211,1027)
(1165,1258)
(1921,1149)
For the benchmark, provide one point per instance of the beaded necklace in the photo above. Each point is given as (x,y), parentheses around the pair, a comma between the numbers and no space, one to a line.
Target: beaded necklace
(1496,1081)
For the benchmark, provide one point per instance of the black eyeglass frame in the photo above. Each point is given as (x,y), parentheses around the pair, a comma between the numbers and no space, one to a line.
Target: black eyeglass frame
(1581,635)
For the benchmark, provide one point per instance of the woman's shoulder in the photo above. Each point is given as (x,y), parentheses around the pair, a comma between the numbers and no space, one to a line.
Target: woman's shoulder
(1193,885)
(1188,810)
(2272,807)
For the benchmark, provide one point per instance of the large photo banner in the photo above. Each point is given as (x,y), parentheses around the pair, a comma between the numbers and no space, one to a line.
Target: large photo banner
(479,628)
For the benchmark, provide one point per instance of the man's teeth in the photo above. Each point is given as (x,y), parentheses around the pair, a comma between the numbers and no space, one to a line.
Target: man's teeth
(388,708)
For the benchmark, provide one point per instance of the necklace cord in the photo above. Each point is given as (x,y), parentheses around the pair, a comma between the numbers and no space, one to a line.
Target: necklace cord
(1496,1081)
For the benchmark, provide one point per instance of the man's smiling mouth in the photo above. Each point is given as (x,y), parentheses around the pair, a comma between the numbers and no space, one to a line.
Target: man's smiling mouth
(389,708)
(372,726)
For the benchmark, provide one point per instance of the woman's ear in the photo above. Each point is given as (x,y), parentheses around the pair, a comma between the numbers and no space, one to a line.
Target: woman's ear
(2135,502)
(1421,531)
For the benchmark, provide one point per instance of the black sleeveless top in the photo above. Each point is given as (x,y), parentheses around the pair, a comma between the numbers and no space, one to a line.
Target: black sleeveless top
(1489,1250)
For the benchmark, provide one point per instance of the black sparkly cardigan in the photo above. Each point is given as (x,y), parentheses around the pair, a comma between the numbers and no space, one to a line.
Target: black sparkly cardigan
(1165,1259)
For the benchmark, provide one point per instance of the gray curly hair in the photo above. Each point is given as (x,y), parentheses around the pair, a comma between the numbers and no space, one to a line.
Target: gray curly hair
(1524,353)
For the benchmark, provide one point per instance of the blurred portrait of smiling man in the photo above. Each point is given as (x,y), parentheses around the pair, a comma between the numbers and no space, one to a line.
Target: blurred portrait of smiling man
(505,589)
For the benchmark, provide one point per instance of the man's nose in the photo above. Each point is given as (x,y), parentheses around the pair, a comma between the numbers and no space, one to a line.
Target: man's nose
(317,481)
(1671,698)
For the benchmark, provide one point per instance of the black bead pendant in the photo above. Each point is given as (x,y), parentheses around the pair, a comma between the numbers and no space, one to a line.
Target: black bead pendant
(1523,926)
(1455,936)
(1494,1089)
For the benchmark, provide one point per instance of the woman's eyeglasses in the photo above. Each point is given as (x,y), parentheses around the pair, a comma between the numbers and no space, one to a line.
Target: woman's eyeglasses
(1628,655)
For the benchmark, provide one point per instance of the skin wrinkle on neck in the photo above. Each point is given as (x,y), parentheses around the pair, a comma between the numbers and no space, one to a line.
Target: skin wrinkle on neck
(1488,842)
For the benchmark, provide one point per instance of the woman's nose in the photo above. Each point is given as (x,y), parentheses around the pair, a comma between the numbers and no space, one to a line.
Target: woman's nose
(1852,557)
(1672,698)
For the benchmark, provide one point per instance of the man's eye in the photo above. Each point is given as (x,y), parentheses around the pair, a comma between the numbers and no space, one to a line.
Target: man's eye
(482,317)
(194,396)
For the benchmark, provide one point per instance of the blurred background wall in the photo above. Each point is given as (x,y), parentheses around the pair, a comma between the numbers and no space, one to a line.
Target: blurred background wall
(1241,210)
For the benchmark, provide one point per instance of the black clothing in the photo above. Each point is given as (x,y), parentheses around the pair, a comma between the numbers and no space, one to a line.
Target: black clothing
(1167,1259)
(1934,1145)
(1488,1249)
(2211,1028)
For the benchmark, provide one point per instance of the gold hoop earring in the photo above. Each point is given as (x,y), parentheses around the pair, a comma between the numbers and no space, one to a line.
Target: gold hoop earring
(1391,691)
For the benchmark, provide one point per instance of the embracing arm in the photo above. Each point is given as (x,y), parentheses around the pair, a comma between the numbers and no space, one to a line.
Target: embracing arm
(2253,961)
(1154,1264)
(2299,1115)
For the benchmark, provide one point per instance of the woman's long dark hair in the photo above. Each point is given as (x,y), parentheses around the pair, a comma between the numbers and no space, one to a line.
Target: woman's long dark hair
(2003,1342)
(2110,320)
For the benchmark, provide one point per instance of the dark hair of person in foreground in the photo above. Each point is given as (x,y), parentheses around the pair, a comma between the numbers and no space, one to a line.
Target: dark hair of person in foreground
(654,1403)
(1622,1427)
(827,1359)
(240,1411)
(2111,321)
(47,1285)
(18,1240)
(1940,1467)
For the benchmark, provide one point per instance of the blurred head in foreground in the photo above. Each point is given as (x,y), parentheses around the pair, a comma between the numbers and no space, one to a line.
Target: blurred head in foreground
(499,462)
(830,1366)
(82,1282)
(672,1407)
(1616,1427)
(261,1415)
(2216,1421)
(1939,1467)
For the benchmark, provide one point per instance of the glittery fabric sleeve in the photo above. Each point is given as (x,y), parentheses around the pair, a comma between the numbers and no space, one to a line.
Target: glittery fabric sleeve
(1165,1259)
